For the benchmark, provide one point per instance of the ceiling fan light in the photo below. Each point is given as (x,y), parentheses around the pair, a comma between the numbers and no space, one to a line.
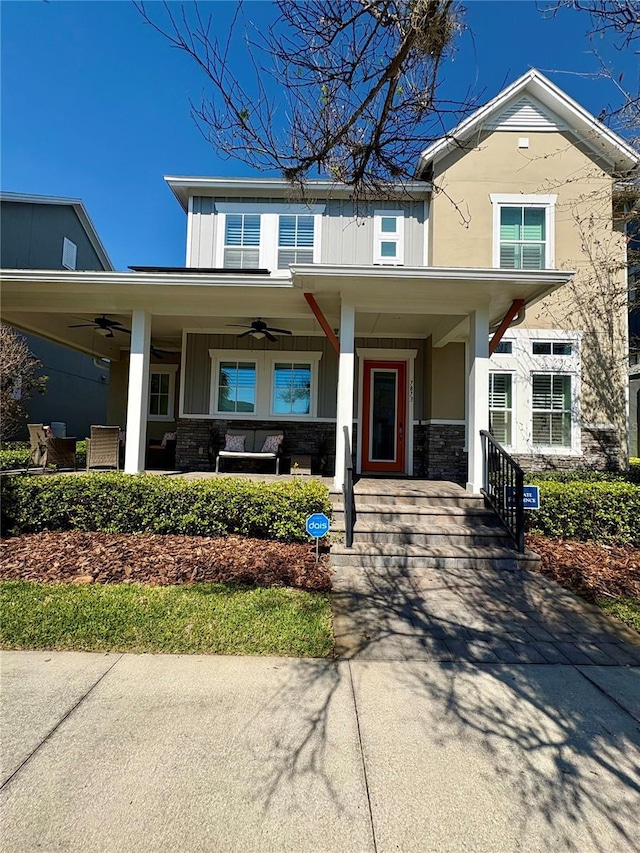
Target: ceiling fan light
(258,335)
(106,333)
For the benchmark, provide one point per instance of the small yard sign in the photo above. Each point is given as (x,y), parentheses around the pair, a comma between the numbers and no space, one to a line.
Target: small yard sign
(531,496)
(317,527)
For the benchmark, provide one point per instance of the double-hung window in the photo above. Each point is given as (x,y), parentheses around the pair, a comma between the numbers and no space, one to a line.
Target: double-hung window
(242,241)
(523,232)
(388,238)
(264,385)
(501,407)
(162,384)
(236,387)
(551,410)
(295,239)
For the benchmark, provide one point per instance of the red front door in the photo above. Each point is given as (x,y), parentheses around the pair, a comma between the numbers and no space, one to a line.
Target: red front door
(384,407)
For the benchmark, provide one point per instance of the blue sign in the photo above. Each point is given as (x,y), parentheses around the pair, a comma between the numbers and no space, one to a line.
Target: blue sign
(317,525)
(531,496)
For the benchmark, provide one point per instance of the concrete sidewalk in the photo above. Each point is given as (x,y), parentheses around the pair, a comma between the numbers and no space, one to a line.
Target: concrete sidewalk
(171,753)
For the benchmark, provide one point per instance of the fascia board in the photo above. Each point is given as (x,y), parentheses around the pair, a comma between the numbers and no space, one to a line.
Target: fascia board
(183,186)
(551,96)
(427,273)
(132,279)
(81,212)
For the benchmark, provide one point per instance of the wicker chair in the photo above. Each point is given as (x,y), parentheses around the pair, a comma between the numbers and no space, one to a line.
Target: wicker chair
(61,452)
(103,448)
(38,442)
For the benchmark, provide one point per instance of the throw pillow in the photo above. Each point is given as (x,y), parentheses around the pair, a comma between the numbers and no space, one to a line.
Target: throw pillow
(234,443)
(271,444)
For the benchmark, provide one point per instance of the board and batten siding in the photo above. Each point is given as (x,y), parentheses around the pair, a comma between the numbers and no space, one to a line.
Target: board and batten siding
(197,367)
(346,238)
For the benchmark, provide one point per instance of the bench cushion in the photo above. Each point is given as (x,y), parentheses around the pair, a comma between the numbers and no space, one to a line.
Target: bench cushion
(235,443)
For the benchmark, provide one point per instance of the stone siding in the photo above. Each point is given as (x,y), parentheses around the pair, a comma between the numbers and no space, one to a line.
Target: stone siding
(442,453)
(200,440)
(601,451)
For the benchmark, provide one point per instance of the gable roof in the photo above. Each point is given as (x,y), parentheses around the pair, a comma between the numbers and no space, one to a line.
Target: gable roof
(533,102)
(81,212)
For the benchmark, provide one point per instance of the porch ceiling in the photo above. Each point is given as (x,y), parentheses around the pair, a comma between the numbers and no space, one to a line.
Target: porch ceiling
(390,301)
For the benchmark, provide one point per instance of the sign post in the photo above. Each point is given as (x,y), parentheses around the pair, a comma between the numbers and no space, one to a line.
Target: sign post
(317,526)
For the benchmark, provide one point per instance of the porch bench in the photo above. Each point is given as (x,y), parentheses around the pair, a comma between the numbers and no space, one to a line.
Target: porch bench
(254,440)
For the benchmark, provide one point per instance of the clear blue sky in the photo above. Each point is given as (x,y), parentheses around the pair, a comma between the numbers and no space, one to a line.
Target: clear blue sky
(95,104)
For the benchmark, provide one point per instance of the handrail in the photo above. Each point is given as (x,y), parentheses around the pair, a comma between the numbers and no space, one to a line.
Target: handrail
(347,492)
(503,487)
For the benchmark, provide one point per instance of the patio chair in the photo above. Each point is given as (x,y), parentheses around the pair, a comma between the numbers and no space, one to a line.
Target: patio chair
(38,450)
(61,452)
(103,448)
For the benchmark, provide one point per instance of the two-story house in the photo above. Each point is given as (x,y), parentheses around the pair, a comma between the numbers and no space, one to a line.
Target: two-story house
(48,232)
(484,294)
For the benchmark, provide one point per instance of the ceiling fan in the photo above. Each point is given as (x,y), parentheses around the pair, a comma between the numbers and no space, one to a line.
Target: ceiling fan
(259,329)
(106,327)
(103,325)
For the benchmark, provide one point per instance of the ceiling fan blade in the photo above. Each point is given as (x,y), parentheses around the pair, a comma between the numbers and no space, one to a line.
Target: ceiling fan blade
(82,326)
(244,334)
(280,331)
(126,331)
(237,325)
(269,336)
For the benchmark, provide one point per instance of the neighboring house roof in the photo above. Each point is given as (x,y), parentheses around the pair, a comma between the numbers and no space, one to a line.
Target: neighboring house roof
(81,212)
(531,103)
(184,186)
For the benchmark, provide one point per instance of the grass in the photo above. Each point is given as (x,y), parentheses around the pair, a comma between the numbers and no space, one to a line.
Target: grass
(627,610)
(205,618)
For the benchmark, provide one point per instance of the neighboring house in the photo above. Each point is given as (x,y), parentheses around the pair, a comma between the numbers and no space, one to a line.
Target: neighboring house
(45,233)
(506,235)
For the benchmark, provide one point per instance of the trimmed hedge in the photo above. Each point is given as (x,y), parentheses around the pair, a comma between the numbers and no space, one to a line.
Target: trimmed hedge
(598,511)
(14,457)
(587,475)
(121,503)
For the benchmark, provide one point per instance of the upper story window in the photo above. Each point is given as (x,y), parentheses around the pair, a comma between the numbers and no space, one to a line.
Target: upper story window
(265,235)
(295,239)
(242,241)
(523,231)
(388,237)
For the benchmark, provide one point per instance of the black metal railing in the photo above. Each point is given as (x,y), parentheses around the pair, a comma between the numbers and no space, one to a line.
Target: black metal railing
(503,487)
(347,492)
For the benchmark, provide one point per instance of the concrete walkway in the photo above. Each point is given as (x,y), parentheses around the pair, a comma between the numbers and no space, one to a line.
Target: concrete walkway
(170,753)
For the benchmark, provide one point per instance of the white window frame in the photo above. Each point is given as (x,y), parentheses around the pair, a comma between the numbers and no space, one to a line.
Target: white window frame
(557,448)
(251,248)
(69,254)
(523,364)
(171,370)
(547,202)
(513,408)
(265,361)
(269,221)
(379,237)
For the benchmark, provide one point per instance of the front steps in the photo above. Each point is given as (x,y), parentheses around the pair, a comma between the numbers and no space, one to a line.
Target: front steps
(405,524)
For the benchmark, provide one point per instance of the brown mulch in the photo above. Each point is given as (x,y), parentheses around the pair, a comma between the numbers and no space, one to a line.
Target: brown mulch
(161,560)
(590,569)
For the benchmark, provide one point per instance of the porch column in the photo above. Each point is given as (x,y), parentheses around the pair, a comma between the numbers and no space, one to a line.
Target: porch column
(138,393)
(346,365)
(478,399)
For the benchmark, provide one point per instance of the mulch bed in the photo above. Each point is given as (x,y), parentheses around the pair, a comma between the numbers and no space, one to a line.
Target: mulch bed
(161,560)
(590,569)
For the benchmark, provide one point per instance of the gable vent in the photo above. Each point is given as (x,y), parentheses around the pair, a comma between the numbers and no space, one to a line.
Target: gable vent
(526,114)
(69,254)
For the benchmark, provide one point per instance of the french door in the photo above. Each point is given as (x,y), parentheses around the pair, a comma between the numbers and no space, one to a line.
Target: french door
(384,410)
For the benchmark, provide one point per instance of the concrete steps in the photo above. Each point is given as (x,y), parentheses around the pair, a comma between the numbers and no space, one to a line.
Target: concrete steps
(414,524)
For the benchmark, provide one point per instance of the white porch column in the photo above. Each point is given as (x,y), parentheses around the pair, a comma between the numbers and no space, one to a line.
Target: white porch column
(138,393)
(346,366)
(478,399)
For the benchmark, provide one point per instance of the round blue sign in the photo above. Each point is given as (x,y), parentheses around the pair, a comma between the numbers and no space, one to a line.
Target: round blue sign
(317,525)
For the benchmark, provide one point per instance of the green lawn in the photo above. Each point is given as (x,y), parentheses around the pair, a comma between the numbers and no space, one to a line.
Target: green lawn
(625,609)
(205,618)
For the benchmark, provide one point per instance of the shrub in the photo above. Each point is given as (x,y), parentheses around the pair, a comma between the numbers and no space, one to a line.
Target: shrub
(14,455)
(587,475)
(607,511)
(121,503)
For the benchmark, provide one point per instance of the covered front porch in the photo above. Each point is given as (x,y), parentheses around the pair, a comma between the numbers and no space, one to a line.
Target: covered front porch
(399,356)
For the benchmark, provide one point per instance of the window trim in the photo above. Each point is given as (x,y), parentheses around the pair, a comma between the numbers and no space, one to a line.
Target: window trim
(265,367)
(379,237)
(171,370)
(547,202)
(269,213)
